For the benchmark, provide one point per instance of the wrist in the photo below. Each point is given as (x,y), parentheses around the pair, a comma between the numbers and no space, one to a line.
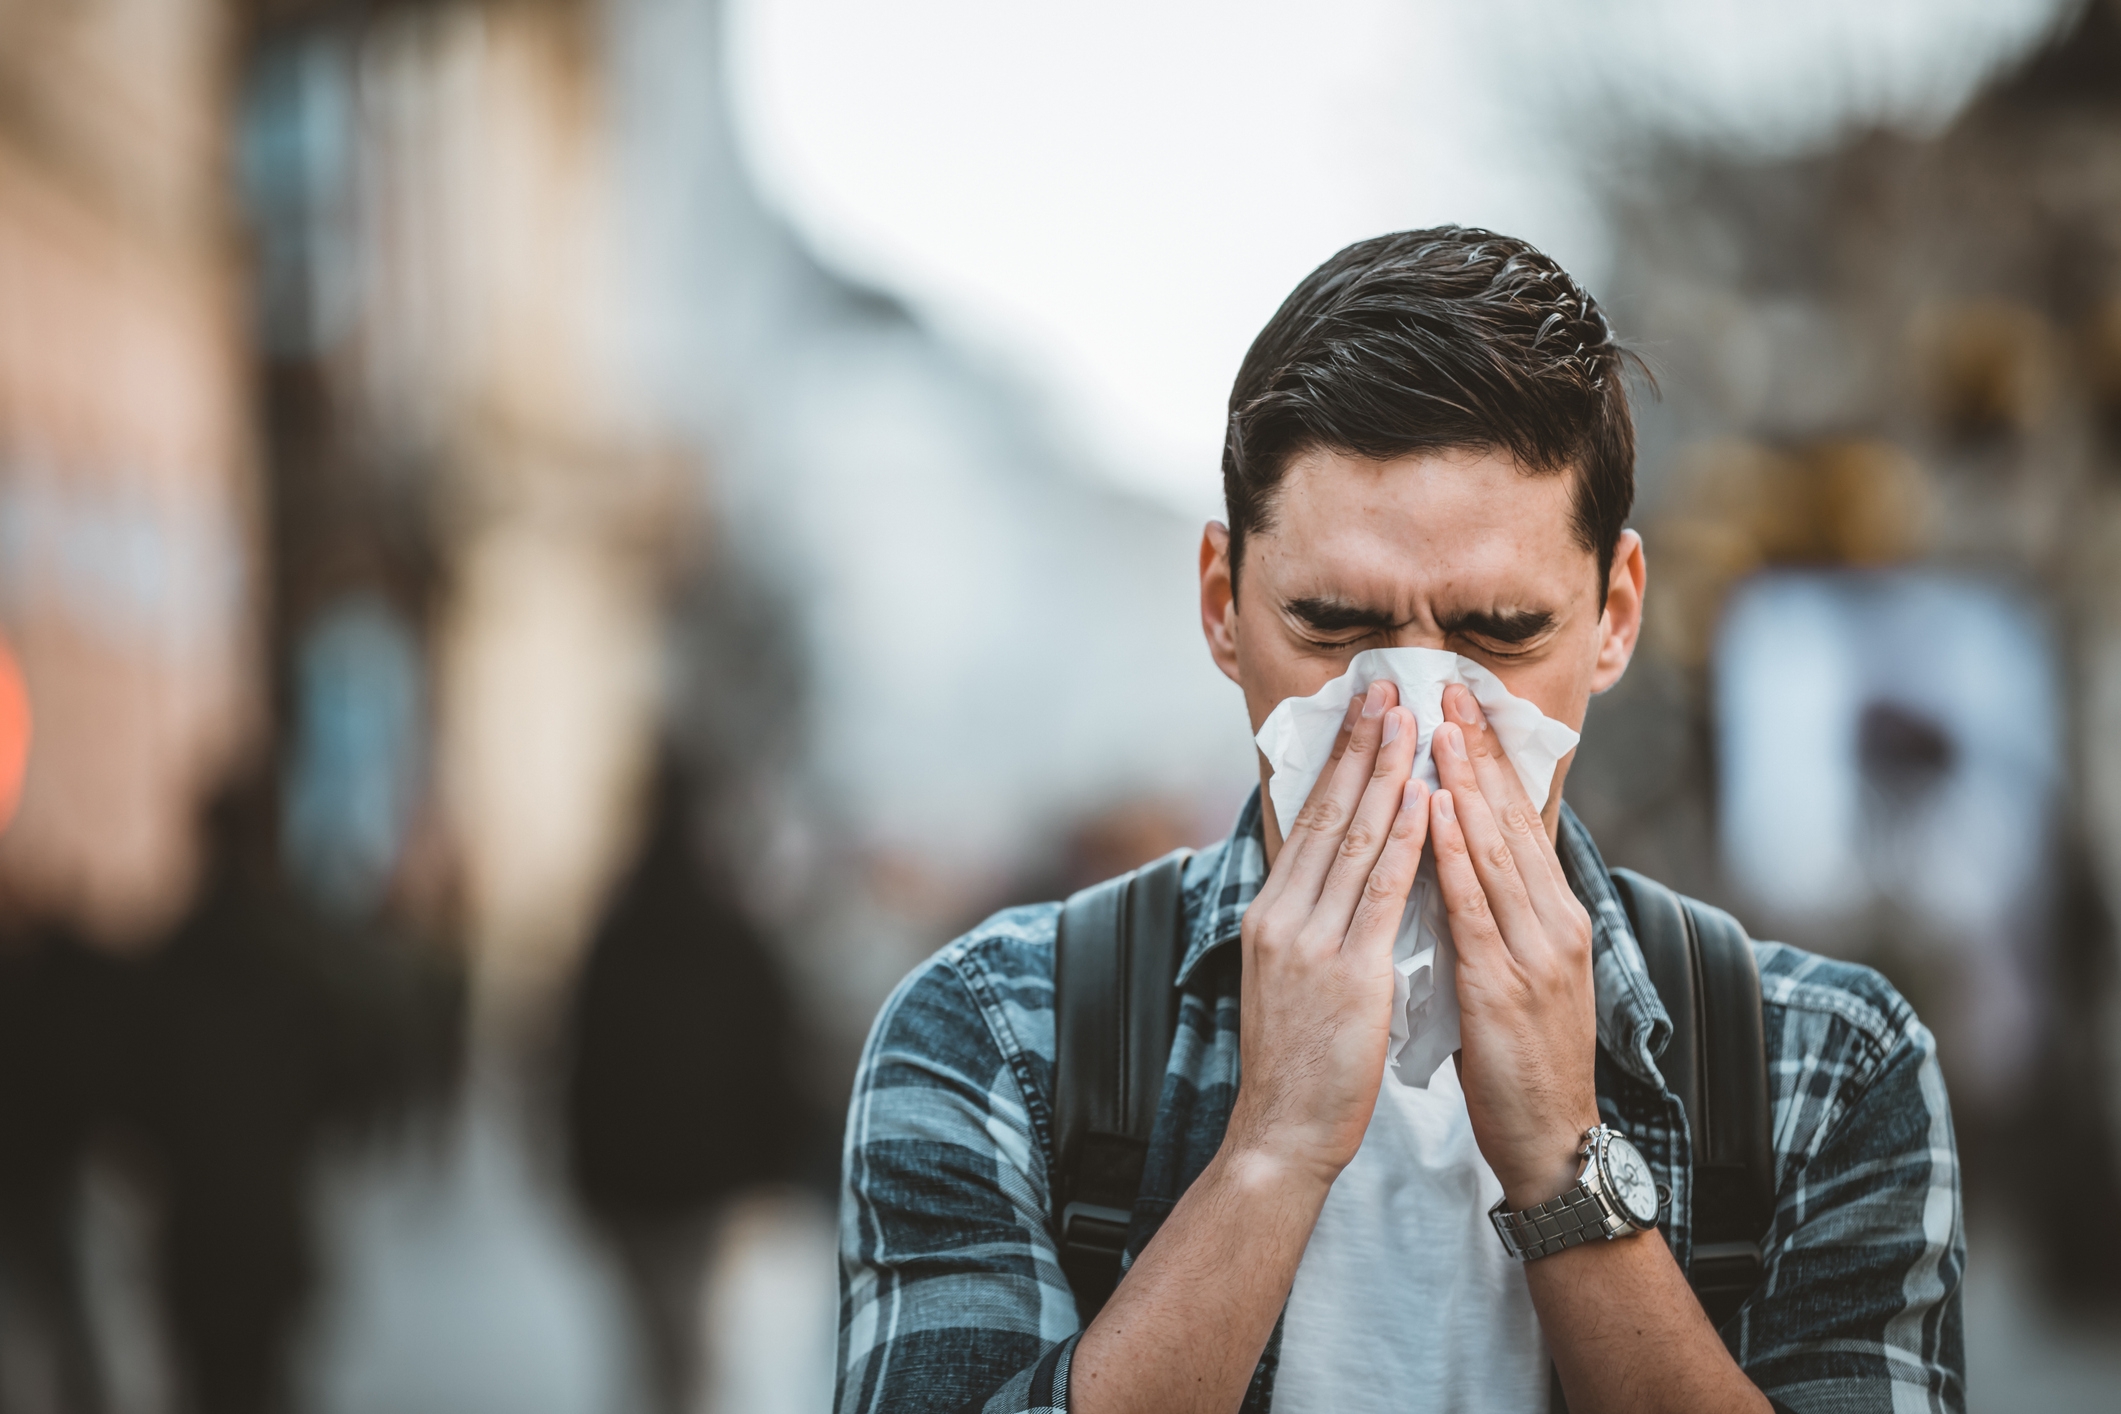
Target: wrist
(1254,1173)
(1547,1169)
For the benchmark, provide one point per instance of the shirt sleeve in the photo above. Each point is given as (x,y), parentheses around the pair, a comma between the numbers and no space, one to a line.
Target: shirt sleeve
(951,1293)
(1860,1306)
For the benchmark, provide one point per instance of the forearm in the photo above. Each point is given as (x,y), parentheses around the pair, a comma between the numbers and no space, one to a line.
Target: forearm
(1185,1329)
(1627,1334)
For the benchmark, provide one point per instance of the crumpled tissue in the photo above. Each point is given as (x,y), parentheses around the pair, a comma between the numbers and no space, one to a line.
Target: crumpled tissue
(1296,739)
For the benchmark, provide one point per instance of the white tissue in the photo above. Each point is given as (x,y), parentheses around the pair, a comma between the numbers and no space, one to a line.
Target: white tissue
(1296,740)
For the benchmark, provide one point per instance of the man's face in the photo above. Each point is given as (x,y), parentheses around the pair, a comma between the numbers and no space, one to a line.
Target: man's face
(1458,550)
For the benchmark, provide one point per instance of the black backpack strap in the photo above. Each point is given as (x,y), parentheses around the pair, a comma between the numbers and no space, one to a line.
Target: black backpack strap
(1115,1009)
(1703,966)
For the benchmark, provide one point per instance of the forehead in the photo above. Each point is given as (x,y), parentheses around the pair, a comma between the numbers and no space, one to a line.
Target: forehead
(1468,524)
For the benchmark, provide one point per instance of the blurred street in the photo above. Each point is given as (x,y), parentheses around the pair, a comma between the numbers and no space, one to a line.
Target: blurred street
(465,1285)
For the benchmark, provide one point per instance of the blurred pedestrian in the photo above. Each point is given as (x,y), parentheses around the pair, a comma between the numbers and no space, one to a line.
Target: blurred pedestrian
(680,1091)
(62,1005)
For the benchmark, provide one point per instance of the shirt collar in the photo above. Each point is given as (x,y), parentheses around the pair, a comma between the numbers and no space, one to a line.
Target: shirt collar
(1633,1025)
(1220,885)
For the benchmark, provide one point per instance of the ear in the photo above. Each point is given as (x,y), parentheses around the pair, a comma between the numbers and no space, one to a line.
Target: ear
(1218,598)
(1621,627)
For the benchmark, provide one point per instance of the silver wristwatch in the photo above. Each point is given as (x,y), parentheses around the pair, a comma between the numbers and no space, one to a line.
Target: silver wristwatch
(1614,1196)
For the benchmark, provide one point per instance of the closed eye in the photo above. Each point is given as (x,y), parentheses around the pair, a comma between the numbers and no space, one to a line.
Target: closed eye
(1507,627)
(1331,624)
(1330,645)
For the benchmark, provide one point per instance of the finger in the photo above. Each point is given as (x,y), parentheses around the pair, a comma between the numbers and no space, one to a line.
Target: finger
(1278,876)
(1497,774)
(1383,897)
(1324,821)
(1322,783)
(1496,867)
(1371,828)
(1474,931)
(1511,806)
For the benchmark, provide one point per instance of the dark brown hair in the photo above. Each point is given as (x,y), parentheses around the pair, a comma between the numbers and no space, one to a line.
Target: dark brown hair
(1450,337)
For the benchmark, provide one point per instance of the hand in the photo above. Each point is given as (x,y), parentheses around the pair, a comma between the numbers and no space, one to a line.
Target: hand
(1528,1011)
(1317,996)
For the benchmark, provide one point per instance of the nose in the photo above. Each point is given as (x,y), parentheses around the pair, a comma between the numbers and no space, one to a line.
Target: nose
(1418,634)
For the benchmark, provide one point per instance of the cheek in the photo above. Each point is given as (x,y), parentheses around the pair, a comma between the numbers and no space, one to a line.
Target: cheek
(1560,686)
(1263,679)
(1271,672)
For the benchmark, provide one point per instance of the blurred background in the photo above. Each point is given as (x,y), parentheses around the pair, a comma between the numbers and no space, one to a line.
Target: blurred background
(550,550)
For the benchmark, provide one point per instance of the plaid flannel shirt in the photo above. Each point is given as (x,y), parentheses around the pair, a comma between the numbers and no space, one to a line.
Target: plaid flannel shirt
(951,1292)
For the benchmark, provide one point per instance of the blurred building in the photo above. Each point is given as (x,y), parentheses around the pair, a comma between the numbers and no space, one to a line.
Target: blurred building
(1882,494)
(136,1060)
(127,493)
(454,456)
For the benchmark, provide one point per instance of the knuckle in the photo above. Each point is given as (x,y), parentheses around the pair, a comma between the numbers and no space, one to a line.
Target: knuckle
(1579,933)
(1384,886)
(1517,819)
(1323,815)
(1500,858)
(1263,929)
(1358,841)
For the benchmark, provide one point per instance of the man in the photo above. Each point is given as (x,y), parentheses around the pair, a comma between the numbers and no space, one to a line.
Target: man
(1429,445)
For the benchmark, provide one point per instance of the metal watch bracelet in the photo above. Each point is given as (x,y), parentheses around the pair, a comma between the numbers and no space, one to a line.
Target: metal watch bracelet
(1581,1214)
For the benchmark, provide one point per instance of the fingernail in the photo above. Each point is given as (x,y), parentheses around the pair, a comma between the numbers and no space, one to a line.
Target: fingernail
(1347,718)
(1410,799)
(1373,701)
(1452,740)
(1392,725)
(1444,809)
(1469,710)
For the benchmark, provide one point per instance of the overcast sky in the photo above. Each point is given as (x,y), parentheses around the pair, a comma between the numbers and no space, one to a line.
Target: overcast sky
(1112,196)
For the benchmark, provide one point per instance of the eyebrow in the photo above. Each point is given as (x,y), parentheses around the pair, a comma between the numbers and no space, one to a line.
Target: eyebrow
(1496,625)
(1333,615)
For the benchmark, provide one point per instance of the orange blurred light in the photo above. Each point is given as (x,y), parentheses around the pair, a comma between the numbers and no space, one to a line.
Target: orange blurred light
(14,732)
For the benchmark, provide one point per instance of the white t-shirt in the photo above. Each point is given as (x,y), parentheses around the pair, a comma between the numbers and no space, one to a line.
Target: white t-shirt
(1405,1300)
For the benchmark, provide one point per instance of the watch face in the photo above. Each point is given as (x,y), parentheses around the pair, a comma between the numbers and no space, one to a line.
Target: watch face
(1628,1180)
